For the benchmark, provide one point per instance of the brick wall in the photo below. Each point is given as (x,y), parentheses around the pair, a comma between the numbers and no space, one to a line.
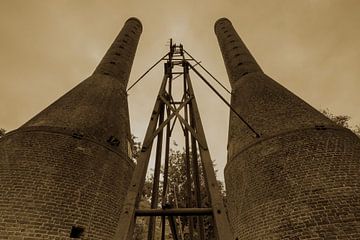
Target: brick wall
(51,181)
(300,179)
(97,107)
(299,185)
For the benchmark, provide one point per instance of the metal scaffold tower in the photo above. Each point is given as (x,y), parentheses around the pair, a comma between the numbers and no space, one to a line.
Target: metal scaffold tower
(167,111)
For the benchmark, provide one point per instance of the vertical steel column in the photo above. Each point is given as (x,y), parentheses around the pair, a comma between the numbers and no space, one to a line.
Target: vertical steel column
(196,174)
(223,229)
(155,189)
(166,162)
(187,161)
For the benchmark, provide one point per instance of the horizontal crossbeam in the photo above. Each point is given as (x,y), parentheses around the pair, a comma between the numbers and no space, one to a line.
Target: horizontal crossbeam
(174,212)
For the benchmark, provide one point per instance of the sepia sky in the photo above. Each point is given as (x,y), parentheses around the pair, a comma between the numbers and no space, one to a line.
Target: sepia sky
(312,47)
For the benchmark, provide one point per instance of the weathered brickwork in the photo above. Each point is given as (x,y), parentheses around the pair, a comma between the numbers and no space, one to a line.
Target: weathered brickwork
(118,59)
(300,185)
(69,166)
(52,181)
(97,107)
(300,179)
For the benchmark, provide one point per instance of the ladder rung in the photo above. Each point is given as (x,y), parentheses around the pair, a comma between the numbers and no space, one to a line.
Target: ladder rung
(174,212)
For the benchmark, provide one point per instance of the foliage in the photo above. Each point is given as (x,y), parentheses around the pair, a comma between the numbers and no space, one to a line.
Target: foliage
(140,230)
(342,120)
(177,192)
(176,196)
(2,132)
(356,130)
(136,147)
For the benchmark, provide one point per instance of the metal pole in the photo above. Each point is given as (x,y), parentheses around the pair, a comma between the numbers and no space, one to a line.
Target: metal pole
(144,74)
(155,190)
(187,164)
(199,63)
(166,163)
(174,212)
(223,229)
(195,167)
(226,102)
(173,227)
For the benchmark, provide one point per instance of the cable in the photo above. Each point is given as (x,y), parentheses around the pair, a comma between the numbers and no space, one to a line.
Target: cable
(206,82)
(208,72)
(142,76)
(224,100)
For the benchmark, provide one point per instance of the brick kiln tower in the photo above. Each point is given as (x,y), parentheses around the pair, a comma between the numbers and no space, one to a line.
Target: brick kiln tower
(300,179)
(65,172)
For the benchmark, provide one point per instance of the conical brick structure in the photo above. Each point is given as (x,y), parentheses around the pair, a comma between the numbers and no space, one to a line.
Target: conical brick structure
(300,178)
(65,172)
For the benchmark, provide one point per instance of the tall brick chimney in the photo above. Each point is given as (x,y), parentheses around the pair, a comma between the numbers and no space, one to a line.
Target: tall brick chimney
(301,178)
(65,172)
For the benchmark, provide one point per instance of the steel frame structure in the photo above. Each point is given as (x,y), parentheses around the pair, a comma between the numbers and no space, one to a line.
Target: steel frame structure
(163,118)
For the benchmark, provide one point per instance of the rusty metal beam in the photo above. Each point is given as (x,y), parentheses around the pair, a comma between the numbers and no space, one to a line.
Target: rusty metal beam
(173,227)
(186,124)
(144,74)
(196,174)
(166,163)
(155,190)
(222,224)
(174,212)
(188,196)
(175,113)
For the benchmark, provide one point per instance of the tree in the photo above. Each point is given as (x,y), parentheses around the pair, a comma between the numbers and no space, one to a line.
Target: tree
(2,132)
(356,130)
(342,120)
(176,193)
(136,147)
